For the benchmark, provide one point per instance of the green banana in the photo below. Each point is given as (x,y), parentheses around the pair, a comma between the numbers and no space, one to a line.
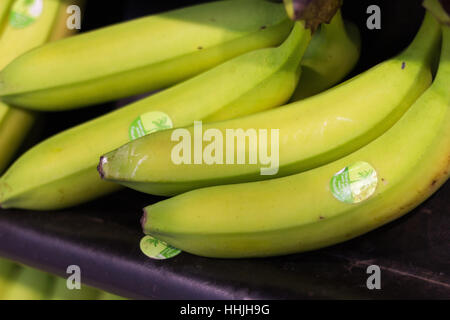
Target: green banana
(67,162)
(4,10)
(143,55)
(61,292)
(332,54)
(16,123)
(301,212)
(312,132)
(14,127)
(29,284)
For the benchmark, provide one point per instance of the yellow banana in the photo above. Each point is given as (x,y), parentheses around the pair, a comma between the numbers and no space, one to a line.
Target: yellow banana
(331,55)
(4,10)
(14,127)
(17,38)
(324,206)
(142,55)
(312,132)
(20,37)
(67,162)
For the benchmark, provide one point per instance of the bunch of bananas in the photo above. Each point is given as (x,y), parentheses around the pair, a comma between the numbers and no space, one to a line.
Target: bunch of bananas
(18,282)
(344,163)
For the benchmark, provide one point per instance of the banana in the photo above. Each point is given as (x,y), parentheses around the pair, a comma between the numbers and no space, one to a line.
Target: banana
(4,10)
(67,162)
(14,127)
(20,37)
(61,292)
(323,206)
(143,55)
(331,55)
(29,284)
(15,40)
(311,132)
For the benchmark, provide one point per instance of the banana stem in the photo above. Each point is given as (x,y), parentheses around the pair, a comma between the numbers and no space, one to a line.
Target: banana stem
(335,26)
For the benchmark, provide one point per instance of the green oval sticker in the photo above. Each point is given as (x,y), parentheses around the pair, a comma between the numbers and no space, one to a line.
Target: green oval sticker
(25,12)
(354,183)
(148,123)
(157,249)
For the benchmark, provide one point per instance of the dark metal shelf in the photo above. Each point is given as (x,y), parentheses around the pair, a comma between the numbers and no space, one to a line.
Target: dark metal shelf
(103,237)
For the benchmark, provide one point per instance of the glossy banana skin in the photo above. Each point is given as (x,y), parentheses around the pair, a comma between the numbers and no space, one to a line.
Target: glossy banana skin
(67,162)
(299,213)
(75,73)
(312,132)
(16,123)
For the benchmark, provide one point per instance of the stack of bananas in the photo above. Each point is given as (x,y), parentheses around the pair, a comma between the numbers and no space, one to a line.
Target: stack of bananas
(18,282)
(350,158)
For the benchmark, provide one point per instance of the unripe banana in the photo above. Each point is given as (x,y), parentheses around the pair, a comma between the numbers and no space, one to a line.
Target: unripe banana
(331,55)
(312,132)
(146,54)
(324,206)
(15,40)
(30,284)
(14,127)
(61,292)
(5,5)
(61,171)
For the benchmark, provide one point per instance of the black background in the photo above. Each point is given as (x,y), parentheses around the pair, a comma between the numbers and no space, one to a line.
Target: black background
(102,237)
